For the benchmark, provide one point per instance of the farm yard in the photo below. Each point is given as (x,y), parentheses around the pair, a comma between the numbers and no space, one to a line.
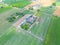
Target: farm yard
(12,37)
(4,21)
(20,26)
(32,36)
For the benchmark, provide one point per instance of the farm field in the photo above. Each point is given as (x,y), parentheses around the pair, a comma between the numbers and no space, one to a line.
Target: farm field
(18,3)
(48,10)
(53,36)
(57,12)
(58,3)
(46,3)
(3,21)
(16,38)
(13,37)
(4,24)
(5,9)
(25,38)
(42,26)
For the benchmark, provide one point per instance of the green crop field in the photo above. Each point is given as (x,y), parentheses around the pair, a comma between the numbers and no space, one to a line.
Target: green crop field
(18,38)
(5,9)
(3,23)
(58,3)
(44,31)
(48,10)
(39,29)
(18,3)
(21,4)
(53,35)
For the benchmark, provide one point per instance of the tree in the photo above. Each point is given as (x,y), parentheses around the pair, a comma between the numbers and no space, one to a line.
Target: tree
(54,4)
(11,19)
(25,26)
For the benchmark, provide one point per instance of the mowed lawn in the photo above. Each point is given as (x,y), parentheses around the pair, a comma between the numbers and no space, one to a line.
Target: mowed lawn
(53,35)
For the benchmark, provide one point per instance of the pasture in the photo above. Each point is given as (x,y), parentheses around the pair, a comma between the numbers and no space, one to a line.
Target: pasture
(5,9)
(53,35)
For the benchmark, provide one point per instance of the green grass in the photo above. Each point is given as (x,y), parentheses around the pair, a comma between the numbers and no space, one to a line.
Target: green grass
(19,3)
(47,10)
(4,24)
(57,3)
(7,36)
(5,9)
(41,28)
(14,37)
(53,35)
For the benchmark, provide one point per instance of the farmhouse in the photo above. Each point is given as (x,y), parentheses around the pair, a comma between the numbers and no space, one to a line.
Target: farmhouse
(21,20)
(28,22)
(31,19)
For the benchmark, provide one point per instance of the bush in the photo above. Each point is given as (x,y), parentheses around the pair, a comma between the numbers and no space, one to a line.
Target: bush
(18,13)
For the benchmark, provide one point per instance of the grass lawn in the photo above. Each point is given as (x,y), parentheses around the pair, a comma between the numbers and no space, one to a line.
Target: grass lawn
(53,35)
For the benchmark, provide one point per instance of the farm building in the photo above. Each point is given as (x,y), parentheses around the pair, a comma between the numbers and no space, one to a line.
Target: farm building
(31,19)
